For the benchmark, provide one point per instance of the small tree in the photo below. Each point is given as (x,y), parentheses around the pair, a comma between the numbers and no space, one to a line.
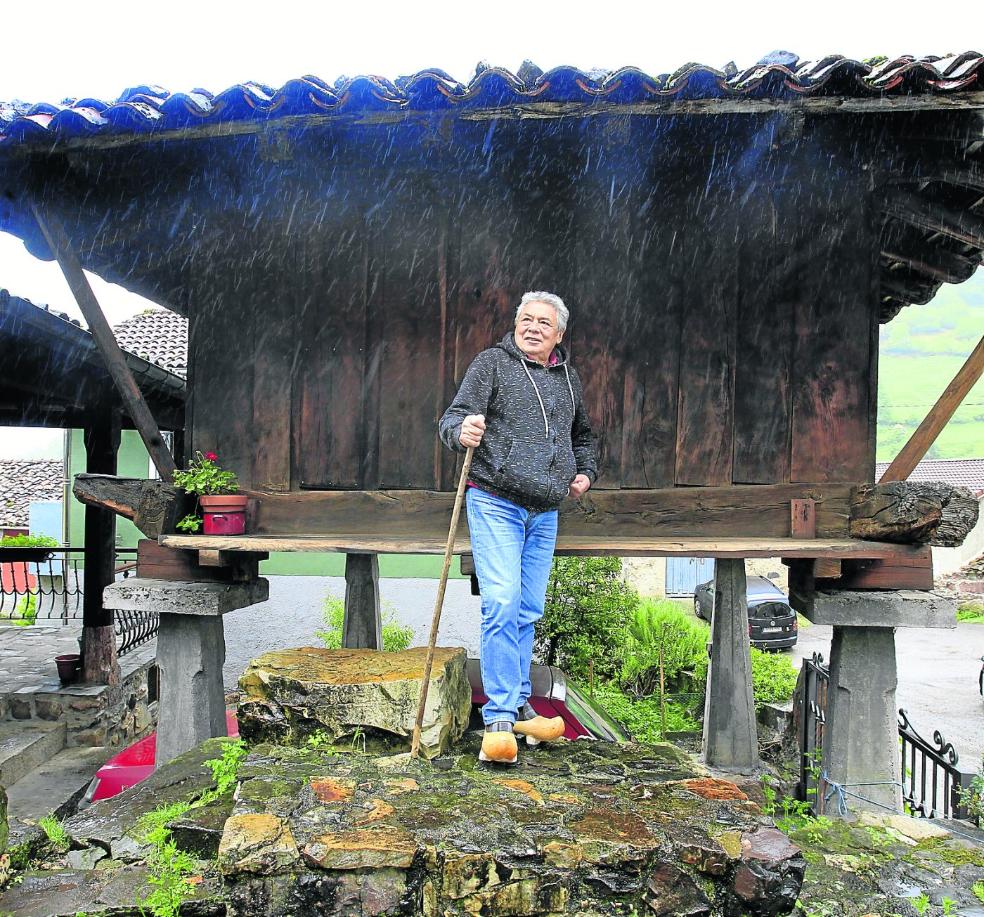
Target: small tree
(583,628)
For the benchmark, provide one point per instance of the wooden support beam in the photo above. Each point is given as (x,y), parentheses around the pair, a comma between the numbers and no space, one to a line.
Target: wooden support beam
(99,662)
(154,507)
(917,211)
(751,510)
(730,740)
(155,561)
(913,512)
(362,624)
(133,400)
(920,442)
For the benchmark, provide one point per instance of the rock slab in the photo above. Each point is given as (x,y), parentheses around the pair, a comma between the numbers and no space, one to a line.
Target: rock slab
(354,697)
(586,828)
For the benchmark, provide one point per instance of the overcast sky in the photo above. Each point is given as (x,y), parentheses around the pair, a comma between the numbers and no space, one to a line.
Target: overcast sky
(56,50)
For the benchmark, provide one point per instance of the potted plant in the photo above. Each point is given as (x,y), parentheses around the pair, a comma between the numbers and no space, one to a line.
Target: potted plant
(26,548)
(224,509)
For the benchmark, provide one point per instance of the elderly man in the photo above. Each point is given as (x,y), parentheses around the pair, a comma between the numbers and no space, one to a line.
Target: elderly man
(521,406)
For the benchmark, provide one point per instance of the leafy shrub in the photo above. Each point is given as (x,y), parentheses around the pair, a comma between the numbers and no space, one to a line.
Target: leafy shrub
(971,612)
(773,678)
(643,717)
(396,637)
(665,627)
(26,610)
(583,629)
(28,541)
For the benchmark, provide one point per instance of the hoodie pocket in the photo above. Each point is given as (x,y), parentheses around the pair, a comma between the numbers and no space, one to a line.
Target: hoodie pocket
(525,470)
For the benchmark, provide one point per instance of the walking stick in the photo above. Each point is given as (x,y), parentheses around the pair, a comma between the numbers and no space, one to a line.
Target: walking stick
(439,604)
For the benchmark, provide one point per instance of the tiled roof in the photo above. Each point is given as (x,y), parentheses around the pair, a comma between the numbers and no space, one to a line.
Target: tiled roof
(780,75)
(24,482)
(967,473)
(159,336)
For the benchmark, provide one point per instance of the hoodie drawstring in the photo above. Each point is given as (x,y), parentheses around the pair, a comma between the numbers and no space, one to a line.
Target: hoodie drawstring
(543,410)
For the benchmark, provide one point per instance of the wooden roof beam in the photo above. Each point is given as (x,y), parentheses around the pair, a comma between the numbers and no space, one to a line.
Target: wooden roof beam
(932,217)
(913,292)
(932,261)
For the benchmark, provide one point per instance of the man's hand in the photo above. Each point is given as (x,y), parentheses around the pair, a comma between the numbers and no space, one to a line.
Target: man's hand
(472,430)
(579,486)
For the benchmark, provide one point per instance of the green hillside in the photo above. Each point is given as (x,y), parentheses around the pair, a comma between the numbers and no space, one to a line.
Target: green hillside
(921,351)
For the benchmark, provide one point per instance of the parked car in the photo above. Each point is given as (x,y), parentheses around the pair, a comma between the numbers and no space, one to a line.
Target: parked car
(771,620)
(553,695)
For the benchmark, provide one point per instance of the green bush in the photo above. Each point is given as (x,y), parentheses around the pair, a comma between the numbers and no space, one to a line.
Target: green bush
(664,627)
(773,678)
(28,541)
(971,612)
(643,717)
(588,606)
(26,610)
(395,636)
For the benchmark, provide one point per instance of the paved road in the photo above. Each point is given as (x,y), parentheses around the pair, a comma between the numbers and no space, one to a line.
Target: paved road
(937,668)
(937,671)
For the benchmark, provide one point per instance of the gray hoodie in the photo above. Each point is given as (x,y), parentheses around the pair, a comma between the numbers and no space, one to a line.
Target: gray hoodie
(537,433)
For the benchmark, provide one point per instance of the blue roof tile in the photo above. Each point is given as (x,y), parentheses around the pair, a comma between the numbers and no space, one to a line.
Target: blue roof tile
(780,75)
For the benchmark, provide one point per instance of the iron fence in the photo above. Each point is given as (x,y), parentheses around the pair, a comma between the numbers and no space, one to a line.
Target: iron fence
(933,783)
(51,588)
(816,678)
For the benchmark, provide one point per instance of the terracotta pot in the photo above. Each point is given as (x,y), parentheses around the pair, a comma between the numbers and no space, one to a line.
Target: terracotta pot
(68,666)
(224,503)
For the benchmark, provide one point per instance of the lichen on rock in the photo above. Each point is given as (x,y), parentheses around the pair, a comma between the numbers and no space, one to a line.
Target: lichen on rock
(364,698)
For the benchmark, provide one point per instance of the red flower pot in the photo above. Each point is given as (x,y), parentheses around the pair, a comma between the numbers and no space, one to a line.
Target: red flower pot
(68,666)
(225,514)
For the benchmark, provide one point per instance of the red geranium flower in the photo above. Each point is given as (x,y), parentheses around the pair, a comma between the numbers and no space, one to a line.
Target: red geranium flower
(211,456)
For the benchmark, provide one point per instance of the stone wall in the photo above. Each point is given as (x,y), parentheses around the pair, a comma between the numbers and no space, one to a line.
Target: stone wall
(112,715)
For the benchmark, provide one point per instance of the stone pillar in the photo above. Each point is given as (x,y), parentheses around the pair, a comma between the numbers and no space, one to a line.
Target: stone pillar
(861,734)
(190,651)
(730,739)
(362,626)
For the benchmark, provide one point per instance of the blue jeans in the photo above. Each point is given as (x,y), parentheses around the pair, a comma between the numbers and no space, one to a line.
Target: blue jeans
(513,549)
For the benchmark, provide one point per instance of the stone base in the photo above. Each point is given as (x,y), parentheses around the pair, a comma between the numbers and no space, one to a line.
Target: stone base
(899,608)
(587,828)
(347,696)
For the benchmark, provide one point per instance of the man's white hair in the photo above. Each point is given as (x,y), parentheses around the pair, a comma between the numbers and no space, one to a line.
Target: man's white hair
(549,299)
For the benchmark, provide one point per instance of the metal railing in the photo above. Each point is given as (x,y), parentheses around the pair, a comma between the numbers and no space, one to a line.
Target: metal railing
(933,784)
(816,678)
(51,590)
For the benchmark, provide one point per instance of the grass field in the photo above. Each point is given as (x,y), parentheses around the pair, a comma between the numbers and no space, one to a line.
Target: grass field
(920,352)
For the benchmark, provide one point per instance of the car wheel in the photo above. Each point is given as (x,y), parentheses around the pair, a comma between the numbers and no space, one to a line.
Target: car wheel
(697,607)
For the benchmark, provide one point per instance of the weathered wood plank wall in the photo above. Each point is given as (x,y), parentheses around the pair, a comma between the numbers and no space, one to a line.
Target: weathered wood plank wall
(723,309)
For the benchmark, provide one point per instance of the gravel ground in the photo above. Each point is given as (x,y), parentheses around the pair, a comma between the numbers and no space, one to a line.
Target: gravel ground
(293,613)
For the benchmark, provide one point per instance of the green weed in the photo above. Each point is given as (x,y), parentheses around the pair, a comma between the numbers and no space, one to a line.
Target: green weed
(396,637)
(54,832)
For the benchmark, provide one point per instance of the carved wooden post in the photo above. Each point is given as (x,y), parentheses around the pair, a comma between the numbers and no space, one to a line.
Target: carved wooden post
(99,662)
(730,739)
(362,626)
